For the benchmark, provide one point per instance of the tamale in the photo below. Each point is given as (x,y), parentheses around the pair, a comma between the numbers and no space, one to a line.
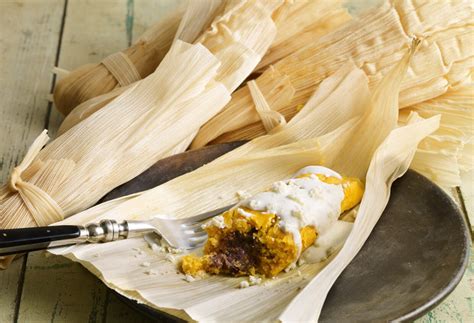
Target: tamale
(133,63)
(374,41)
(270,231)
(120,141)
(314,138)
(304,21)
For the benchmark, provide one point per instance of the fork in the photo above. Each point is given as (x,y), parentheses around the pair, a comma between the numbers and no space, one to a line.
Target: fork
(184,233)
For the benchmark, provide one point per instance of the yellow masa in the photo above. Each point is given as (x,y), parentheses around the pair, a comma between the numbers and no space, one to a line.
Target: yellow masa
(256,244)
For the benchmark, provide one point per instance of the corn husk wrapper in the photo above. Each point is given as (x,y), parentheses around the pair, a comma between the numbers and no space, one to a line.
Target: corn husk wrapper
(139,60)
(374,42)
(302,22)
(140,126)
(449,151)
(306,21)
(303,141)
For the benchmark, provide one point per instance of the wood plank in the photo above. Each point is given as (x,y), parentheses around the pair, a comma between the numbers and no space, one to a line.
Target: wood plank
(28,49)
(467,190)
(28,46)
(59,290)
(93,30)
(10,282)
(146,13)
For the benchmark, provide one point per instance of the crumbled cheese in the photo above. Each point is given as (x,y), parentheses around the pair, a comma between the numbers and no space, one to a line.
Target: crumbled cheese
(189,278)
(156,248)
(290,267)
(217,221)
(145,264)
(254,280)
(301,261)
(298,273)
(254,204)
(280,187)
(242,195)
(243,212)
(170,258)
(175,250)
(244,284)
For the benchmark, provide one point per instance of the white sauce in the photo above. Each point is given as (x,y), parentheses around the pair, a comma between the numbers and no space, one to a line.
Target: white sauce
(300,202)
(317,170)
(328,242)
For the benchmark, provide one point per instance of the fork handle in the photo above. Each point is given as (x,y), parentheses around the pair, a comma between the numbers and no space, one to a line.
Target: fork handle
(29,239)
(39,238)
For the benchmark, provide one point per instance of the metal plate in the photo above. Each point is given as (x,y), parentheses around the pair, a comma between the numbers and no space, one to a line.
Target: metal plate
(413,259)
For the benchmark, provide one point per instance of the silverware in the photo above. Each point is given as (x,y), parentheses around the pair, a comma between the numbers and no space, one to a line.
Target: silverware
(178,233)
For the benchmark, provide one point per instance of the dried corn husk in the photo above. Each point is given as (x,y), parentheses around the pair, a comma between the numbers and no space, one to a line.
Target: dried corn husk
(142,125)
(374,42)
(306,21)
(443,155)
(315,137)
(137,61)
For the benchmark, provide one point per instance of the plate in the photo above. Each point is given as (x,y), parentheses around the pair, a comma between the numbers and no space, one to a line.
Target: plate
(414,258)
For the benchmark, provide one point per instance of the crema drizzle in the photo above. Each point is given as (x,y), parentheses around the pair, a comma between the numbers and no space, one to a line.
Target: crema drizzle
(300,202)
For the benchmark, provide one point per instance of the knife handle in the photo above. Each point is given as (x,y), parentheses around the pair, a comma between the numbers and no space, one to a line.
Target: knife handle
(29,239)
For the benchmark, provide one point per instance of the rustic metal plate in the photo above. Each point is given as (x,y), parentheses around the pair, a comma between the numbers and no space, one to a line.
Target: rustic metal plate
(414,258)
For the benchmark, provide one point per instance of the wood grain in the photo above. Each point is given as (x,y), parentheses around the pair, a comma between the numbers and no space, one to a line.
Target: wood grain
(30,32)
(467,190)
(78,296)
(28,44)
(93,29)
(59,290)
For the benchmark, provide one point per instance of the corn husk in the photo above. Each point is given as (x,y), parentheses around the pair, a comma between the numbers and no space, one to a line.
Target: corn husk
(374,42)
(303,21)
(137,61)
(304,140)
(446,153)
(306,21)
(120,141)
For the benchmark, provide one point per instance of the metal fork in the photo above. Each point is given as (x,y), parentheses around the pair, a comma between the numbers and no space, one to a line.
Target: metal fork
(178,233)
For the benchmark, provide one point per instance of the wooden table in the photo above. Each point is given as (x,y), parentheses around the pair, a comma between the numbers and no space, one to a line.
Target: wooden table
(36,35)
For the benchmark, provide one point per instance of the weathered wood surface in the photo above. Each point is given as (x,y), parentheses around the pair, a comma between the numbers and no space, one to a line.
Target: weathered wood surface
(36,35)
(29,34)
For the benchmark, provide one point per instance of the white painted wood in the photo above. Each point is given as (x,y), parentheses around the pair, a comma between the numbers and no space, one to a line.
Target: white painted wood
(29,38)
(467,190)
(29,33)
(59,290)
(148,12)
(93,29)
(9,282)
